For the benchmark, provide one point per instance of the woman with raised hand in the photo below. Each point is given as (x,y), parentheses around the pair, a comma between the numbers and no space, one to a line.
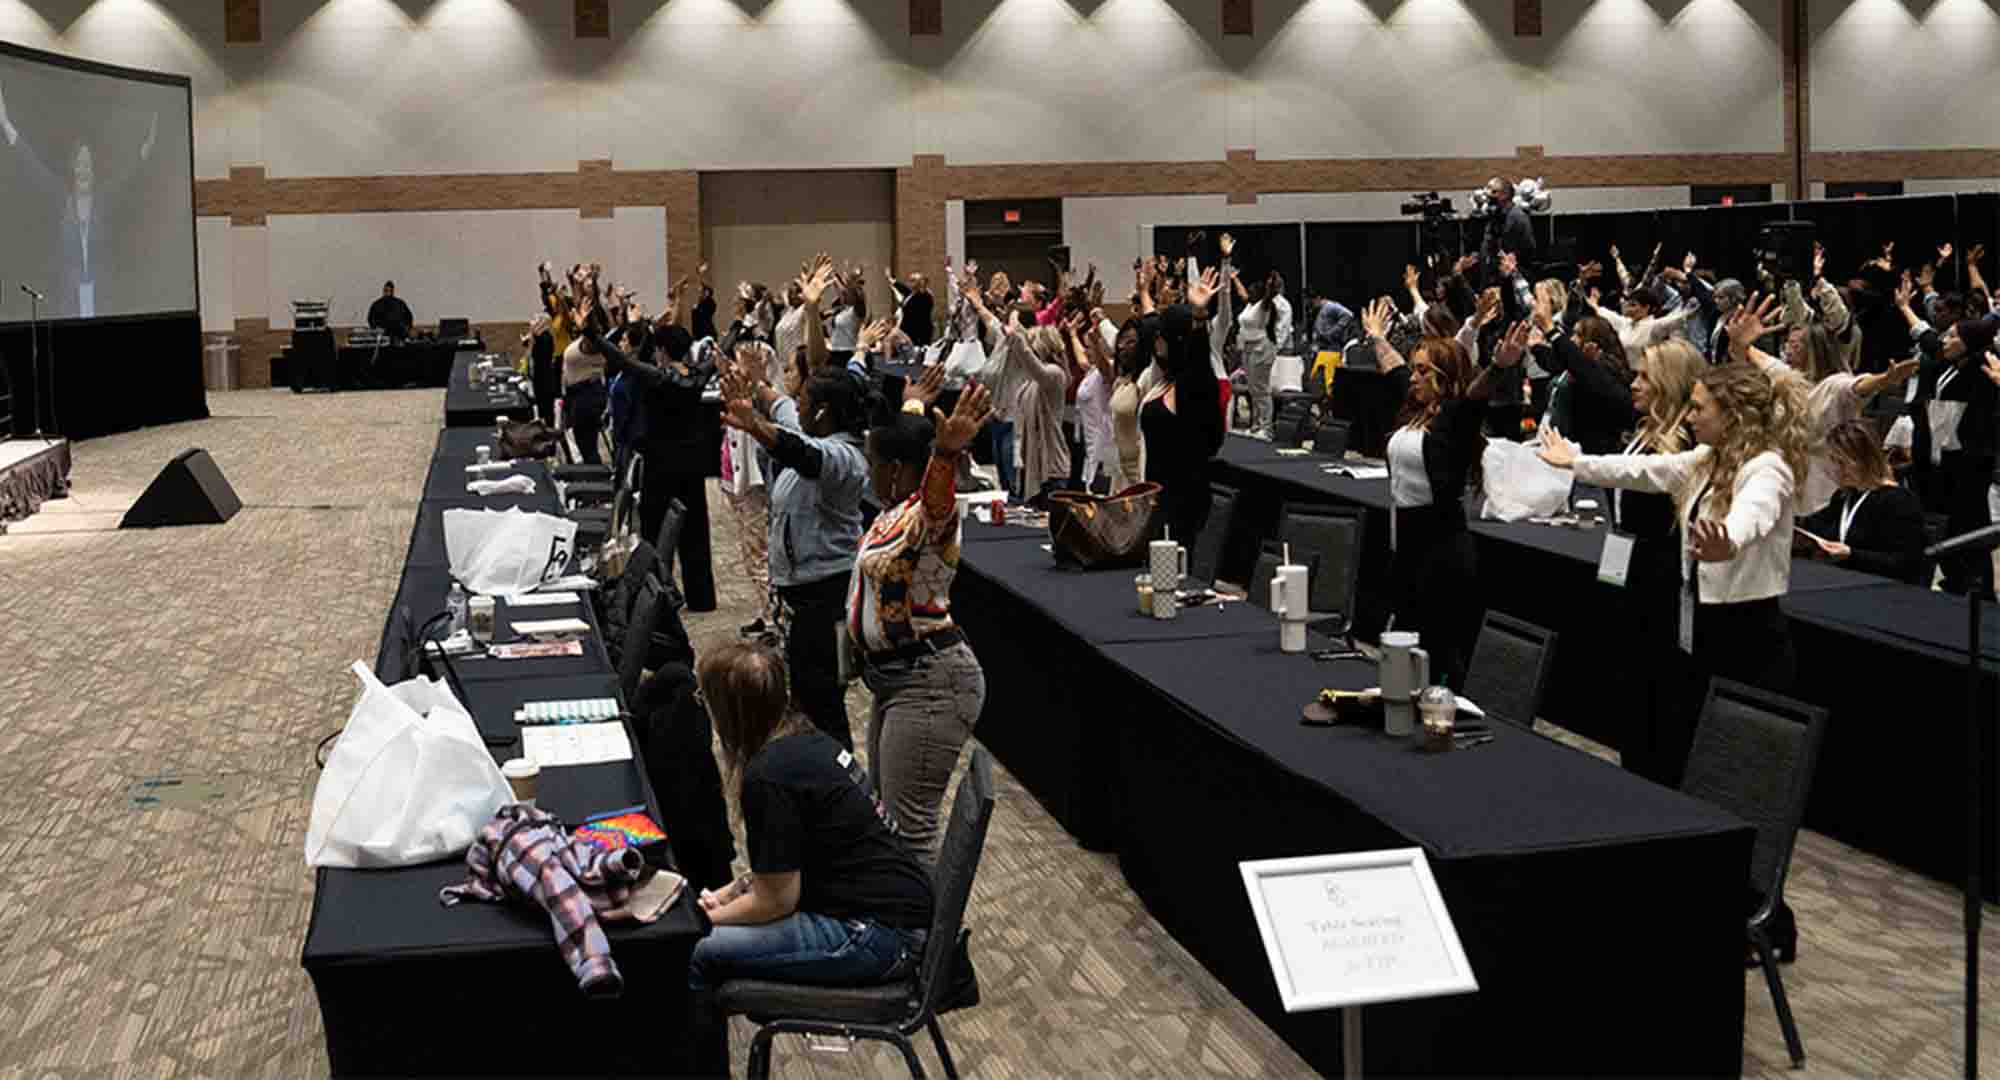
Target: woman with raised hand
(928,685)
(1953,441)
(1816,360)
(815,446)
(1733,500)
(1029,372)
(1434,455)
(1181,419)
(1663,711)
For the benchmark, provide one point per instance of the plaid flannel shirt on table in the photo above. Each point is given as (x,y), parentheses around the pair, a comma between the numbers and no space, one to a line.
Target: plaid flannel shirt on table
(525,854)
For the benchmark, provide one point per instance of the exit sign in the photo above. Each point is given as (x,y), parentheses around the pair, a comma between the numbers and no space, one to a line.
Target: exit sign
(1729,200)
(1011,217)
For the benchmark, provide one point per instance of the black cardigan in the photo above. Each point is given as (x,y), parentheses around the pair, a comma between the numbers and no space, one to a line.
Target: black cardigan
(1601,402)
(1886,537)
(1971,386)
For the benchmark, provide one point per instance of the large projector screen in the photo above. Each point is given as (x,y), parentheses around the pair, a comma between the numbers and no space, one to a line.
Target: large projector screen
(96,164)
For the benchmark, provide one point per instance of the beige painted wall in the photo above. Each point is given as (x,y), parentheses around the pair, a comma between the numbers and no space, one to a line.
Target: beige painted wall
(758,226)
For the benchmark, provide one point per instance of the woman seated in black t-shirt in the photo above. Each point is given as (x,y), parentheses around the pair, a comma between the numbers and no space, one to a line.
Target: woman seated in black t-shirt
(833,897)
(1873,524)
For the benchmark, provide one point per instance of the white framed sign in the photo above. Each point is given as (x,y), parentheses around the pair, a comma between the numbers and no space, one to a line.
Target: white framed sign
(1355,929)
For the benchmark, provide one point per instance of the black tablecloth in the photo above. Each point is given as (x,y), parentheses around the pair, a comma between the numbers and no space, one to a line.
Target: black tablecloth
(1186,756)
(1856,635)
(466,405)
(408,986)
(406,363)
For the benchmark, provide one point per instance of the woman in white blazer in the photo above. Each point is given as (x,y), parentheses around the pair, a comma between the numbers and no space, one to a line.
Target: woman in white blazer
(1733,495)
(1734,499)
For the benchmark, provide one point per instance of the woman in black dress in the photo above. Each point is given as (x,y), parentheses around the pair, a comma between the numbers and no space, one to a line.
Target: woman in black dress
(1182,419)
(1434,457)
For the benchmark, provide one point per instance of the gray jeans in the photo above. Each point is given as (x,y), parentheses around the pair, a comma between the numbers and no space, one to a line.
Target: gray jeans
(924,712)
(1258,357)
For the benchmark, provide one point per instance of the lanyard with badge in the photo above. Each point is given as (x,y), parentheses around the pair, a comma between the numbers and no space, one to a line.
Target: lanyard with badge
(1614,563)
(1944,417)
(1847,515)
(1691,573)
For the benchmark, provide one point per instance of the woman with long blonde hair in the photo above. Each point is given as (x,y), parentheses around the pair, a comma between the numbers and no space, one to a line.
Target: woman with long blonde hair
(1732,497)
(1662,723)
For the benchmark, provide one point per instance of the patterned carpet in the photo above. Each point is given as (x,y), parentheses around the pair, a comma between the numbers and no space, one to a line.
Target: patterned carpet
(163,938)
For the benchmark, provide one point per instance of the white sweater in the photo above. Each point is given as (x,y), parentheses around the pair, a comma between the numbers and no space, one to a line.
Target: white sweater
(1759,519)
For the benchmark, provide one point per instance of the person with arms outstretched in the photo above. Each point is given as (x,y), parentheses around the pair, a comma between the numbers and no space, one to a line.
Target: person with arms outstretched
(79,198)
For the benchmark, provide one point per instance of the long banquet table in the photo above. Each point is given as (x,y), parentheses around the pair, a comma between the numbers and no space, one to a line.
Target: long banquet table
(1578,889)
(1885,659)
(408,986)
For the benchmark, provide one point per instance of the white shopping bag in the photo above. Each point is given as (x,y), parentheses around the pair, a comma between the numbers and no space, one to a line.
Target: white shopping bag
(967,360)
(1519,484)
(409,780)
(507,552)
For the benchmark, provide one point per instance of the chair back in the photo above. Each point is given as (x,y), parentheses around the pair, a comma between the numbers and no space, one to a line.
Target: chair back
(1330,540)
(1205,559)
(648,603)
(1330,437)
(624,504)
(1293,420)
(951,881)
(1509,669)
(1269,557)
(1753,755)
(670,534)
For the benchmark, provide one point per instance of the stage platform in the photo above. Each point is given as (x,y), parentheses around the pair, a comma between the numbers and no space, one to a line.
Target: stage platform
(32,471)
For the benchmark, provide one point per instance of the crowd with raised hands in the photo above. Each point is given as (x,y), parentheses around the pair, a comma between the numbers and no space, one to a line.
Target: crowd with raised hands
(1728,431)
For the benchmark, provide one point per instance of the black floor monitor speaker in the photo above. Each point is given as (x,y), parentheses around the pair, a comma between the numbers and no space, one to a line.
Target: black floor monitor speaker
(189,491)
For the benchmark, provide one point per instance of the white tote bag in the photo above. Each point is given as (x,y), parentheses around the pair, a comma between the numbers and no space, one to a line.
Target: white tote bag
(409,780)
(507,552)
(1519,484)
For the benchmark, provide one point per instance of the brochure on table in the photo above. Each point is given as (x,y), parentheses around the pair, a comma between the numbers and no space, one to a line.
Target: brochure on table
(1355,929)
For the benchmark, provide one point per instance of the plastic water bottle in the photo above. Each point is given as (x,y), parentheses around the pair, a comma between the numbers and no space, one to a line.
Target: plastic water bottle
(456,603)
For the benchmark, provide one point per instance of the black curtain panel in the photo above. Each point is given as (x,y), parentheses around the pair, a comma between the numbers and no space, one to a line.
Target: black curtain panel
(1259,250)
(1355,261)
(1854,230)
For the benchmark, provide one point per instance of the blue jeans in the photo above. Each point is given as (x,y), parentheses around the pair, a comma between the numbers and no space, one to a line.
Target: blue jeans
(1003,453)
(800,948)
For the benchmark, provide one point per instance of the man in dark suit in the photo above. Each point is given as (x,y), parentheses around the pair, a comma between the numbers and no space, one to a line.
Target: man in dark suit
(390,315)
(80,207)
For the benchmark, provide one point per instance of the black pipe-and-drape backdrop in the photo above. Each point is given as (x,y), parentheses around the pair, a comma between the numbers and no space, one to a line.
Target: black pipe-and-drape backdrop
(1353,261)
(98,376)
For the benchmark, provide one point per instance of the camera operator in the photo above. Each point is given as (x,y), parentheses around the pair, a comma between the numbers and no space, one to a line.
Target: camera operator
(1507,229)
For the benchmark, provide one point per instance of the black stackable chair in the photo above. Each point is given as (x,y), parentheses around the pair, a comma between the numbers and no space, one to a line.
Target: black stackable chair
(1510,669)
(1753,755)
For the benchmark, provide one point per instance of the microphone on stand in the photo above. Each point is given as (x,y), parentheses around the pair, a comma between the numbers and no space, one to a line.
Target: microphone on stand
(30,290)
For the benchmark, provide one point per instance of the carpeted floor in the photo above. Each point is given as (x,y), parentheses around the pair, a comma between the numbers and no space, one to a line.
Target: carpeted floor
(162,938)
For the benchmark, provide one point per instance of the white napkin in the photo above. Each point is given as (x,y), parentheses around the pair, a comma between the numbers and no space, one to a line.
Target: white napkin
(517,484)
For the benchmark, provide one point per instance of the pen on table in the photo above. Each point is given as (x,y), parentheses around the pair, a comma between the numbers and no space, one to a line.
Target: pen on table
(620,812)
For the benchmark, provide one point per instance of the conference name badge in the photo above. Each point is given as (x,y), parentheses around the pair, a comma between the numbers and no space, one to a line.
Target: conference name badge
(1614,563)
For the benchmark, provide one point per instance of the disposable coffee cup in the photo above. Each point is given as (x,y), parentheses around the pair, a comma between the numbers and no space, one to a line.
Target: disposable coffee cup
(485,453)
(525,777)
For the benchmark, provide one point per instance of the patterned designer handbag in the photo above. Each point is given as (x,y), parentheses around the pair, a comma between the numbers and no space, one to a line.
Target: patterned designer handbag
(526,439)
(1099,531)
